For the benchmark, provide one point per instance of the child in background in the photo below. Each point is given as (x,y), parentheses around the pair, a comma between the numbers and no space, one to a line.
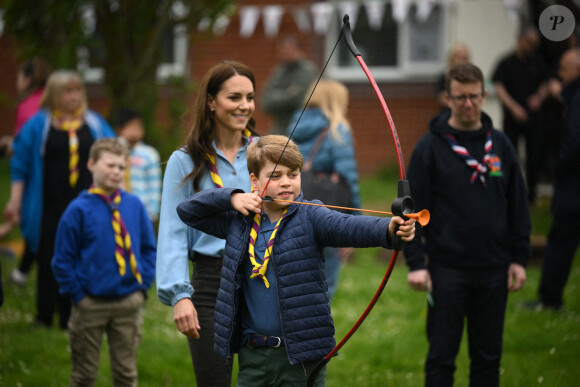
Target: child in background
(104,260)
(143,175)
(273,303)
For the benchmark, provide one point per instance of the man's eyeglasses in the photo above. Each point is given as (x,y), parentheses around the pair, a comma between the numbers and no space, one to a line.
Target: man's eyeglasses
(464,97)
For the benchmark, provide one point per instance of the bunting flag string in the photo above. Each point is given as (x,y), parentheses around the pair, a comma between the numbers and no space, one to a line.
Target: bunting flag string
(318,17)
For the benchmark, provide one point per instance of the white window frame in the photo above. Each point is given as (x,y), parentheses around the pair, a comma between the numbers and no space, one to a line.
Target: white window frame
(180,45)
(96,75)
(406,70)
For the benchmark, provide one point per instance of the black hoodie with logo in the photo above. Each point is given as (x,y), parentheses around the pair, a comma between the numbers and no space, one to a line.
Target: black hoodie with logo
(472,226)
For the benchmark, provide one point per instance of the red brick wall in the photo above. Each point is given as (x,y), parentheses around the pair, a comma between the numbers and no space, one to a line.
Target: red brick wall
(410,105)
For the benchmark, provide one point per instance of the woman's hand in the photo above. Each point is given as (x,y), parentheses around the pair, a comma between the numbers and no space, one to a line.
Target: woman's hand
(185,318)
(14,205)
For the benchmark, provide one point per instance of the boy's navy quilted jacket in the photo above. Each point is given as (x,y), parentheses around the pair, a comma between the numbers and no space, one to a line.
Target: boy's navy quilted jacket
(298,263)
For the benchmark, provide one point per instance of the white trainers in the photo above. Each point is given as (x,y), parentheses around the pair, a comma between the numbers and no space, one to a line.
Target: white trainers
(19,277)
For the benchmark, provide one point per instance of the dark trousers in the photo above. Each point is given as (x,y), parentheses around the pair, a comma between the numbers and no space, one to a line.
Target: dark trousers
(480,296)
(530,131)
(265,367)
(27,260)
(210,369)
(563,241)
(48,298)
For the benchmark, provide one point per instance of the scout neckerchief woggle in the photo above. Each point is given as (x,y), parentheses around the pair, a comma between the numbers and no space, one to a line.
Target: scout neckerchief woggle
(71,126)
(122,237)
(479,169)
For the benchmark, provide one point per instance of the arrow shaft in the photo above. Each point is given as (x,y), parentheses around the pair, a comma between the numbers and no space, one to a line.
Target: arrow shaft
(336,207)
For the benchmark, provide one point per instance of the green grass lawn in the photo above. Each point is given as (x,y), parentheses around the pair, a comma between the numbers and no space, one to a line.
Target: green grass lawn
(540,348)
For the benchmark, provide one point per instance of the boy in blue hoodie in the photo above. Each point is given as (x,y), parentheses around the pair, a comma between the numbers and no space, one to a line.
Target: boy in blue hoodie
(104,259)
(273,306)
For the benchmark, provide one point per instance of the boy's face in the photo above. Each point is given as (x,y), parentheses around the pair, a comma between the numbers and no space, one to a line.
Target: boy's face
(284,184)
(108,171)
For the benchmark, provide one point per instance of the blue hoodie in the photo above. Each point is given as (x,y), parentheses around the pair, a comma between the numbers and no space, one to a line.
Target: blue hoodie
(84,250)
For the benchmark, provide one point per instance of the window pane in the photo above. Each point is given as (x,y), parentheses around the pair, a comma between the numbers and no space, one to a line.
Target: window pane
(168,45)
(425,42)
(379,48)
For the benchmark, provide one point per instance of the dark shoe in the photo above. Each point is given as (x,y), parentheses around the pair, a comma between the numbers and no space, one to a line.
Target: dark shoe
(538,306)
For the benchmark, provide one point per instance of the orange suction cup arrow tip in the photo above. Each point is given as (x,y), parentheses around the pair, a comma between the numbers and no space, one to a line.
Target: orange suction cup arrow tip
(422,217)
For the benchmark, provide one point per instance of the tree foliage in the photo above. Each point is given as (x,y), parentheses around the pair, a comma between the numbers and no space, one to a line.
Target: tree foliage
(126,35)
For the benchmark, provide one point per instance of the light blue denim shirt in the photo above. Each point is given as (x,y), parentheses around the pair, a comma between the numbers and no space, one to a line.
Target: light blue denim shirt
(177,241)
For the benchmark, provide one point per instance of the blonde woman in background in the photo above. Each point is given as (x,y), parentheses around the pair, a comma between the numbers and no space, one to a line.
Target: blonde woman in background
(327,109)
(48,170)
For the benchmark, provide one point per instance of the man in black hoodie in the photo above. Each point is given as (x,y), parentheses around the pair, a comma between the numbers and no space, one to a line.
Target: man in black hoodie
(476,246)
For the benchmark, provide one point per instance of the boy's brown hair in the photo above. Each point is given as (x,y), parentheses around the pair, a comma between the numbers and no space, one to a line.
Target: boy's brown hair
(111,145)
(270,148)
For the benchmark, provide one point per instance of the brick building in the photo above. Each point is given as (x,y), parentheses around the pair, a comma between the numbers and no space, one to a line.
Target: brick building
(405,51)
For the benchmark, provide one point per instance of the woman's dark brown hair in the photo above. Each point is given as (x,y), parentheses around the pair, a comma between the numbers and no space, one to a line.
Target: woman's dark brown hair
(198,143)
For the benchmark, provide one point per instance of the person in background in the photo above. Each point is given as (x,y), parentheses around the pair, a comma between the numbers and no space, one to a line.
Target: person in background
(286,86)
(30,82)
(104,261)
(477,244)
(519,81)
(214,155)
(564,235)
(327,112)
(459,53)
(143,175)
(48,170)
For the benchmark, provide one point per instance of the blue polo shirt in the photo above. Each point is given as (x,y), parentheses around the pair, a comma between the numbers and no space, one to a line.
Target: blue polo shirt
(261,314)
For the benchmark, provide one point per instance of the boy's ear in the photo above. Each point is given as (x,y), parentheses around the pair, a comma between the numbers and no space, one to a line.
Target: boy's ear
(90,165)
(254,182)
